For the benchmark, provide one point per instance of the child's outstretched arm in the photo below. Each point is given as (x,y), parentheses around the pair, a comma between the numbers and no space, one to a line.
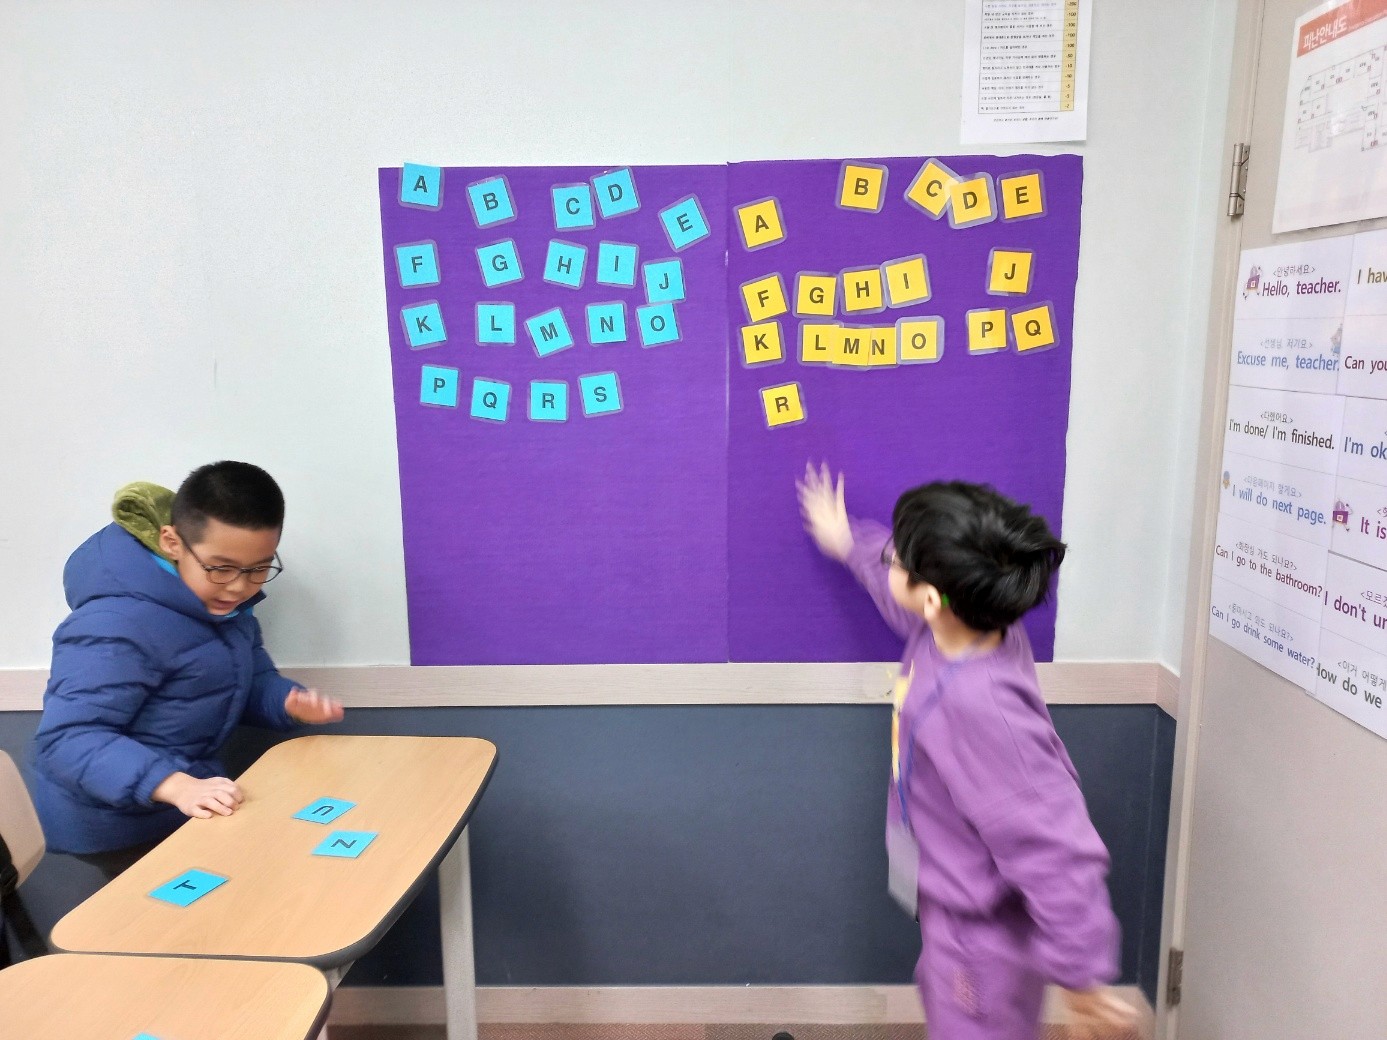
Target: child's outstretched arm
(313,708)
(857,544)
(280,703)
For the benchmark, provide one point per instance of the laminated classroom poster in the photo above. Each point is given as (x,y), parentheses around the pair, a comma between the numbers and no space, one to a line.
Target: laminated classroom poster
(1283,498)
(1352,673)
(1332,161)
(1364,370)
(1278,567)
(1360,501)
(1269,632)
(1025,70)
(1302,533)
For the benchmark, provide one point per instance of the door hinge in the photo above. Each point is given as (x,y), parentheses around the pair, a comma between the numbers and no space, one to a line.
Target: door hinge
(1237,180)
(1175,977)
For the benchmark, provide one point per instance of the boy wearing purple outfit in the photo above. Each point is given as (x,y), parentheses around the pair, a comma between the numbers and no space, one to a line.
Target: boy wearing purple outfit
(1011,875)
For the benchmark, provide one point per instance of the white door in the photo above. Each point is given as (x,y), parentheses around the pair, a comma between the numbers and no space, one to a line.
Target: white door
(1278,893)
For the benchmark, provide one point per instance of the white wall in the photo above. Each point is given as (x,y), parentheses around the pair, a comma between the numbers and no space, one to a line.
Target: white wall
(190,261)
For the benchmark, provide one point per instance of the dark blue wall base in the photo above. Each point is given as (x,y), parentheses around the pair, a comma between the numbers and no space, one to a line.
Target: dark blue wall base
(702,845)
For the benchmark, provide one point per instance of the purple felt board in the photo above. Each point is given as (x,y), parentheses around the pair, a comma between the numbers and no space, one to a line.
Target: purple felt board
(999,418)
(646,535)
(596,539)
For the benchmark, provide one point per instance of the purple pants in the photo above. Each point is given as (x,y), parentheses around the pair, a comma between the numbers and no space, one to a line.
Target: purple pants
(976,976)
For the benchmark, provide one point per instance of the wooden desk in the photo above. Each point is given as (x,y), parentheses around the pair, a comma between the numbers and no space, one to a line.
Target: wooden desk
(116,998)
(280,901)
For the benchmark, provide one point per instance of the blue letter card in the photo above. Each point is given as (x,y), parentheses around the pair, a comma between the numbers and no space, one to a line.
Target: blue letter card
(188,887)
(324,810)
(345,844)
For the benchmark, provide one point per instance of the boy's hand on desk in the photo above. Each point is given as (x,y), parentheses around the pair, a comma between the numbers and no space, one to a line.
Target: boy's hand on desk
(200,798)
(1096,1013)
(312,708)
(825,515)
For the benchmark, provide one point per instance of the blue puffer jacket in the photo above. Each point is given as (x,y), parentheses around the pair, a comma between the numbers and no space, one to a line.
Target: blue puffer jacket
(145,683)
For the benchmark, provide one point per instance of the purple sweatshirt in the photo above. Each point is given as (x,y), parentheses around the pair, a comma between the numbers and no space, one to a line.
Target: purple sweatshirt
(993,799)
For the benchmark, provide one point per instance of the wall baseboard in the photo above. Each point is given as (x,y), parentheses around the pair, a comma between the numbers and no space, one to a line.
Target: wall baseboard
(664,1005)
(1064,682)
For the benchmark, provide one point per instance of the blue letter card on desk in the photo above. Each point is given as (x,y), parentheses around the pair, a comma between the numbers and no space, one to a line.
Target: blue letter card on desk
(345,844)
(324,810)
(188,887)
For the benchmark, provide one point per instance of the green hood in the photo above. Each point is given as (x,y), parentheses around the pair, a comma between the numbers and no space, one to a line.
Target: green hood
(142,508)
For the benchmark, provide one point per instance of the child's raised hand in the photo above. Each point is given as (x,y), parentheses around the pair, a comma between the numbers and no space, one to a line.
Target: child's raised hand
(825,515)
(201,798)
(1096,1013)
(312,708)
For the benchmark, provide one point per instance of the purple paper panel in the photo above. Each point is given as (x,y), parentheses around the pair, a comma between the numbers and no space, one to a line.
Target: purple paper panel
(599,538)
(999,417)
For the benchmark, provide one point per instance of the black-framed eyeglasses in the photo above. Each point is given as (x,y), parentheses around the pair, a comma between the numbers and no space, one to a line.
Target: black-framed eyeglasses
(226,574)
(890,559)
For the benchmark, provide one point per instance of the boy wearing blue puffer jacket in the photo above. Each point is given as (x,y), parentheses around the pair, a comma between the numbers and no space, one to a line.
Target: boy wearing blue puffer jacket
(160,659)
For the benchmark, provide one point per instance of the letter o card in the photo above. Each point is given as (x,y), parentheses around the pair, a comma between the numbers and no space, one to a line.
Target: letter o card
(921,340)
(1034,329)
(783,405)
(862,186)
(761,224)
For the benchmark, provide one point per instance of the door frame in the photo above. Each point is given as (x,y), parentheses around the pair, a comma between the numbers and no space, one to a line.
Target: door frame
(1227,245)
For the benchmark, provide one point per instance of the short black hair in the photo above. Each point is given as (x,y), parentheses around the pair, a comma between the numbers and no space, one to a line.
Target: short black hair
(992,557)
(235,493)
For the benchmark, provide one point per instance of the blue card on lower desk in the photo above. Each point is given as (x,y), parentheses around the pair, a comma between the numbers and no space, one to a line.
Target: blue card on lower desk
(187,888)
(345,844)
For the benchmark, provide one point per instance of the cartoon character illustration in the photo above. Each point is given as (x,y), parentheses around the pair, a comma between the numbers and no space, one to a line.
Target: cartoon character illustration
(1254,281)
(1342,512)
(1336,340)
(1227,481)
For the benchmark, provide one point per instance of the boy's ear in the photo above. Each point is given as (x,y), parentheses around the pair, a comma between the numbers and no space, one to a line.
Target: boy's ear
(170,543)
(931,600)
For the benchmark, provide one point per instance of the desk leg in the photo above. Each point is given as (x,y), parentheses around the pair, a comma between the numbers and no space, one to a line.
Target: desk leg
(459,966)
(334,978)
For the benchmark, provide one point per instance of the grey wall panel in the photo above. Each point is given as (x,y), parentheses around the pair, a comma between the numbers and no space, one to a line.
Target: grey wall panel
(700,845)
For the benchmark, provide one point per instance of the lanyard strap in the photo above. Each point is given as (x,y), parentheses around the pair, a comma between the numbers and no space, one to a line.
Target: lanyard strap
(930,702)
